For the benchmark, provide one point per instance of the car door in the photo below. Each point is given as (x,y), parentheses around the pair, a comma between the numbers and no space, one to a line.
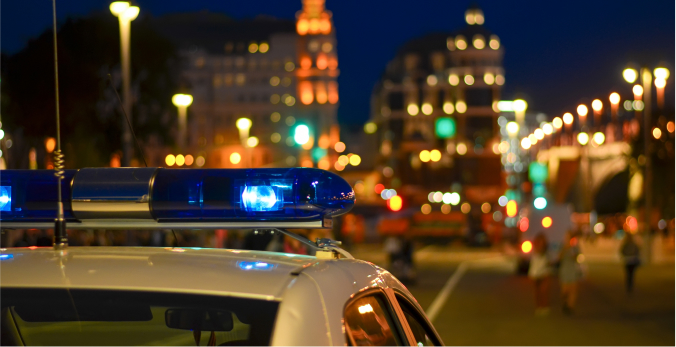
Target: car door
(371,318)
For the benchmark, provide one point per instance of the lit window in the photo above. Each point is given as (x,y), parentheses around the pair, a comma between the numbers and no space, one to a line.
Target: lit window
(489,78)
(264,47)
(479,42)
(469,80)
(460,43)
(494,42)
(253,47)
(453,79)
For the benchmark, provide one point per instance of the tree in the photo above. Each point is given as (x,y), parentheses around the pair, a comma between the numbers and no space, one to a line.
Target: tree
(91,117)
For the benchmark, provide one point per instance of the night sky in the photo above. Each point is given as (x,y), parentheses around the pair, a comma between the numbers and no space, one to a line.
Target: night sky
(557,54)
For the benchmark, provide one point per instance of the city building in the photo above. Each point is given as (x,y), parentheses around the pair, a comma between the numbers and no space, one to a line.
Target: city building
(278,74)
(435,109)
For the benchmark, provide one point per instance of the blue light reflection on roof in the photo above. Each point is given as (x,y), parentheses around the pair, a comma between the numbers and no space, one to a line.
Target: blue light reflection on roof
(255,265)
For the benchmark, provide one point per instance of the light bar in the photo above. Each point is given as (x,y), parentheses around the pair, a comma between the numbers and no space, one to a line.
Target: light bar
(152,198)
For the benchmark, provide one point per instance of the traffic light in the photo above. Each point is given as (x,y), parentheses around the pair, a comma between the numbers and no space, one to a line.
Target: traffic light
(395,203)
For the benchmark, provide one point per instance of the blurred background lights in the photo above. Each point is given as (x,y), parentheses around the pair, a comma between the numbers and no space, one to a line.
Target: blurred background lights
(469,80)
(512,128)
(568,118)
(485,207)
(465,208)
(497,216)
(599,228)
(413,109)
(557,123)
(657,133)
(547,129)
(370,128)
(180,160)
(526,246)
(427,109)
(540,203)
(235,158)
(426,208)
(525,143)
(539,134)
(446,198)
(438,196)
(355,160)
(547,222)
(511,209)
(461,148)
(614,98)
(638,90)
(583,138)
(395,203)
(445,209)
(302,134)
(502,201)
(582,110)
(339,147)
(432,80)
(435,155)
(454,199)
(170,160)
(200,161)
(599,138)
(189,160)
(662,224)
(597,105)
(661,73)
(252,141)
(630,75)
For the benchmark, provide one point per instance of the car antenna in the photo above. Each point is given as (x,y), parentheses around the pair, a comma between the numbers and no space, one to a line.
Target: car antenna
(60,234)
(127,118)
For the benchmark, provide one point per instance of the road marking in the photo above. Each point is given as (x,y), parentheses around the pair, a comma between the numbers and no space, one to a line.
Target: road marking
(441,298)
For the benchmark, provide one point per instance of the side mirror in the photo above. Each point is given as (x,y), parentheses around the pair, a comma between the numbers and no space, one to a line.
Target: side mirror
(196,319)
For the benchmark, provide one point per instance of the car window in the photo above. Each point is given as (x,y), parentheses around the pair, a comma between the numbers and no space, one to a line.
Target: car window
(116,317)
(369,322)
(421,332)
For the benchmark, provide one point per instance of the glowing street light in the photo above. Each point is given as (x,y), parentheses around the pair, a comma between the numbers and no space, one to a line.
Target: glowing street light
(520,106)
(125,13)
(630,75)
(661,73)
(557,123)
(661,76)
(638,92)
(583,138)
(182,101)
(599,138)
(513,129)
(582,112)
(614,104)
(568,118)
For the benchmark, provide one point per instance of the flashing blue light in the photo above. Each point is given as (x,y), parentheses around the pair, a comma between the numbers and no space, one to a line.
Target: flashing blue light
(255,265)
(540,203)
(176,195)
(5,198)
(261,198)
(6,256)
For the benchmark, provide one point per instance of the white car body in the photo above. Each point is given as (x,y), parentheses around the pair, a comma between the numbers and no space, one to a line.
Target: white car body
(312,293)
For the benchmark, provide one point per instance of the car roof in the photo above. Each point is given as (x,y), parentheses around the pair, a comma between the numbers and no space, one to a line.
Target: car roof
(185,270)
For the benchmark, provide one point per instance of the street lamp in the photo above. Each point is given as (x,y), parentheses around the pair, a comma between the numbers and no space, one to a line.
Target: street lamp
(661,75)
(512,129)
(582,112)
(520,107)
(630,75)
(182,101)
(125,13)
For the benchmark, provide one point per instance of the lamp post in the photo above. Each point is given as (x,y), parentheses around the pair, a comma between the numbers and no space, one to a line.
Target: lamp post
(244,125)
(182,101)
(646,79)
(614,105)
(125,13)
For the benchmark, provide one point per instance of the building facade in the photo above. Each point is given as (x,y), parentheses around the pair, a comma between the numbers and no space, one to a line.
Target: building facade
(436,113)
(278,74)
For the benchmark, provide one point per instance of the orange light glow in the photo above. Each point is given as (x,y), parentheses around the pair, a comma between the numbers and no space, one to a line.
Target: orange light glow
(333,92)
(395,203)
(305,89)
(526,247)
(511,208)
(523,225)
(314,26)
(325,26)
(379,188)
(305,63)
(547,222)
(302,26)
(333,63)
(322,97)
(339,147)
(324,141)
(50,144)
(306,163)
(324,164)
(322,61)
(189,160)
(115,160)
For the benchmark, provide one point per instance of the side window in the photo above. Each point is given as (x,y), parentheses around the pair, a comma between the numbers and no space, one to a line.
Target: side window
(421,332)
(369,323)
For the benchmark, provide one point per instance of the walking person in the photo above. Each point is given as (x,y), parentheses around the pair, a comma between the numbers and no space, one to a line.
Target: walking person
(539,272)
(630,255)
(570,272)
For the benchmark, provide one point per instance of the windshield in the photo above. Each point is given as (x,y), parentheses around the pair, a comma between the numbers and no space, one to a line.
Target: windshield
(114,317)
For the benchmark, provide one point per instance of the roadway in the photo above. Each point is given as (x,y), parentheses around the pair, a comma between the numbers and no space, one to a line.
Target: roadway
(480,300)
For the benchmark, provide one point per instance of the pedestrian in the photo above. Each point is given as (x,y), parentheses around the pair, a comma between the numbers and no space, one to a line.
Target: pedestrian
(570,272)
(539,272)
(630,255)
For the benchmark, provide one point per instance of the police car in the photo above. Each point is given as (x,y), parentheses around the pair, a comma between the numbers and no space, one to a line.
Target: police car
(194,296)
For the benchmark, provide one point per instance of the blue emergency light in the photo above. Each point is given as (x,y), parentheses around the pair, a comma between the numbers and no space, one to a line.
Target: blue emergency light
(129,198)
